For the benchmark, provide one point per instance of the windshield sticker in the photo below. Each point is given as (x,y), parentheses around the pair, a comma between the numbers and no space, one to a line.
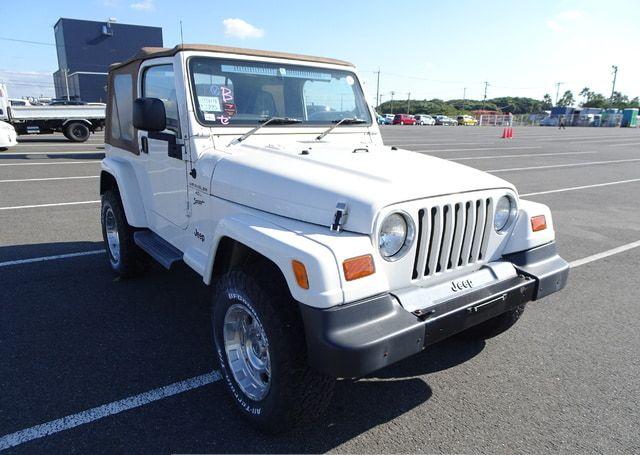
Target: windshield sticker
(275,72)
(230,109)
(223,119)
(227,94)
(209,117)
(209,103)
(350,80)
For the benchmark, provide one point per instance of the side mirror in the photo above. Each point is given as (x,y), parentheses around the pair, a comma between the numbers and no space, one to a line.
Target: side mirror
(149,114)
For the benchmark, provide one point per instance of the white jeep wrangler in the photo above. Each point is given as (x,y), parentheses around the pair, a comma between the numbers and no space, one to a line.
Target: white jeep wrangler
(331,255)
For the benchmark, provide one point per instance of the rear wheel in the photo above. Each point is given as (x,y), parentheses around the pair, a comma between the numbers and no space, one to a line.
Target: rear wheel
(494,326)
(125,257)
(260,345)
(77,132)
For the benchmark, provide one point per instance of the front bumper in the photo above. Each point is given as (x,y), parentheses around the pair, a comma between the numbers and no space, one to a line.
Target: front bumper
(358,338)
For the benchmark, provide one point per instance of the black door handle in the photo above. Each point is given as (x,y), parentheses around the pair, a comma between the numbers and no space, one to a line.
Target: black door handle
(145,144)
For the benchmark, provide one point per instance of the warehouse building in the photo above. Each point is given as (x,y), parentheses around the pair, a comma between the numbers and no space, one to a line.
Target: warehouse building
(87,48)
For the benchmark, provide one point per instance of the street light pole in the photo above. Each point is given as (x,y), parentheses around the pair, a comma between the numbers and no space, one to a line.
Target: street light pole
(392,93)
(66,81)
(408,102)
(378,90)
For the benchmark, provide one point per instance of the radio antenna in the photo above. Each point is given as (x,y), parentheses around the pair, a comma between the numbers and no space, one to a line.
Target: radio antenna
(181,37)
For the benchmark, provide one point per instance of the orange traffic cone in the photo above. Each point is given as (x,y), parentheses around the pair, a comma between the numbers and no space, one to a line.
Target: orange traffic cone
(504,133)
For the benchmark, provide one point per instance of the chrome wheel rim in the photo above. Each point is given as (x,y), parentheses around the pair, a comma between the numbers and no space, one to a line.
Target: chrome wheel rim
(111,229)
(247,349)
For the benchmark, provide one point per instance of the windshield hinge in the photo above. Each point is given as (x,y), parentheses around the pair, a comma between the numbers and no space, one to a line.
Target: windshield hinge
(340,217)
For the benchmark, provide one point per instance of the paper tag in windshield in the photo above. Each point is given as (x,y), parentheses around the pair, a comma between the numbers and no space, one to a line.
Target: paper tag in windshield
(209,103)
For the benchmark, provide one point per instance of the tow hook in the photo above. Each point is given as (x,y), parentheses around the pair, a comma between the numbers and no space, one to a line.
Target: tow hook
(423,314)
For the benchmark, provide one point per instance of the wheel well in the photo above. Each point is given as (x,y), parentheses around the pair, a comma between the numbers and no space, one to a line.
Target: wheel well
(107,182)
(233,254)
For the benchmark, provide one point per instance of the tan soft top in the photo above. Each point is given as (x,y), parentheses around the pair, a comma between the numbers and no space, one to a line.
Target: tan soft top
(153,52)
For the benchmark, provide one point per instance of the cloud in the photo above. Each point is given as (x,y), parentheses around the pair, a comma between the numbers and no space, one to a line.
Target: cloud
(237,28)
(565,20)
(144,5)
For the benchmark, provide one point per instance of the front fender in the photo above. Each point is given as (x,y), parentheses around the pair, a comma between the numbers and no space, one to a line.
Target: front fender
(130,193)
(522,237)
(282,246)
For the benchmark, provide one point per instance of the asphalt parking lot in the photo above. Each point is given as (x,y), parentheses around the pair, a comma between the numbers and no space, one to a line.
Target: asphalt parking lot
(92,364)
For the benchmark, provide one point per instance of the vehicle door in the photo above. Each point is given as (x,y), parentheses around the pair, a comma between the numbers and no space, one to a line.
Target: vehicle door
(165,151)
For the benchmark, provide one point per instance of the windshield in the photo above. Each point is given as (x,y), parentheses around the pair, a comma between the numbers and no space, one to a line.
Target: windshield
(235,92)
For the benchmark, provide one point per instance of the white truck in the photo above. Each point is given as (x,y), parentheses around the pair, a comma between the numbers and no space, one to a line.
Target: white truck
(75,122)
(330,255)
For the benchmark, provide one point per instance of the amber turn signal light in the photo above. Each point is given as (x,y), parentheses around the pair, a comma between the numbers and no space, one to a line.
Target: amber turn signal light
(538,223)
(358,267)
(300,271)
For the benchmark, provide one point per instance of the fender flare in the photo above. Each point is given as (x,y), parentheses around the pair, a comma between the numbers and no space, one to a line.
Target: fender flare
(281,246)
(129,189)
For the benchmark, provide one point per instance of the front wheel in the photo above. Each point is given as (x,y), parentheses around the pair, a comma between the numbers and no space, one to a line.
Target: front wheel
(261,350)
(494,326)
(125,257)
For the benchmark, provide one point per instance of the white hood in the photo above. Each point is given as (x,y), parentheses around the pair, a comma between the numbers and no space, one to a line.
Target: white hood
(307,187)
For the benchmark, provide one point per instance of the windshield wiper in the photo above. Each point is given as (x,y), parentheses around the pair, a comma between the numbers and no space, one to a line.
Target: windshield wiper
(337,123)
(268,121)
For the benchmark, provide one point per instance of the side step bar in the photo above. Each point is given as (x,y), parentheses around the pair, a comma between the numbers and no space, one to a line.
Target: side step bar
(158,248)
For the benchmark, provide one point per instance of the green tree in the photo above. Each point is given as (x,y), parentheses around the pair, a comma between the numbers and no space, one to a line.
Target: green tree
(584,93)
(547,102)
(567,99)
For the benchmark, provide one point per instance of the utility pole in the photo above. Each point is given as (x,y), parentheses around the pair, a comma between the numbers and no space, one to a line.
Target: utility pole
(378,90)
(408,101)
(66,81)
(558,84)
(486,85)
(614,70)
(464,97)
(392,93)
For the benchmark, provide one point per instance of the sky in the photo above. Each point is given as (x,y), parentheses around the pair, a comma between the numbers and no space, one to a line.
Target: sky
(430,49)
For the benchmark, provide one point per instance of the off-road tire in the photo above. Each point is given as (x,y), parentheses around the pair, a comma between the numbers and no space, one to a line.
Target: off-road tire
(296,393)
(77,132)
(494,326)
(131,259)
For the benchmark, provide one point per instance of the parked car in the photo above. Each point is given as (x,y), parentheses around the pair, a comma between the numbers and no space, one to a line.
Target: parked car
(404,119)
(424,119)
(329,257)
(444,120)
(380,119)
(466,120)
(389,119)
(8,136)
(549,121)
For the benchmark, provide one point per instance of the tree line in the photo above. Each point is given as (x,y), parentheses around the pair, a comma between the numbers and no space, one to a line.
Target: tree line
(507,104)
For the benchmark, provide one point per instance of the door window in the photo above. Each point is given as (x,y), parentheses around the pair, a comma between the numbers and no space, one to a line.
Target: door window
(159,82)
(122,113)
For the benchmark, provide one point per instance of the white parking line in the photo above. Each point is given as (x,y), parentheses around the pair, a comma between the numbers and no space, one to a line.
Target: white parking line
(57,204)
(50,178)
(583,187)
(590,163)
(109,409)
(622,145)
(51,164)
(50,258)
(518,156)
(61,144)
(604,254)
(70,152)
(480,148)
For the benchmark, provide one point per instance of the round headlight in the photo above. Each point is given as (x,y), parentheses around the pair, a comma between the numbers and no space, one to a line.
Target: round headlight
(395,236)
(505,213)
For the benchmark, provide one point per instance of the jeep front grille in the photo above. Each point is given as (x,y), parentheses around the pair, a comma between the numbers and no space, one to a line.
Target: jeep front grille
(452,235)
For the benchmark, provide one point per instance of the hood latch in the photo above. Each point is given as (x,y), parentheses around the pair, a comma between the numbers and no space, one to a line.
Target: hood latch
(340,217)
